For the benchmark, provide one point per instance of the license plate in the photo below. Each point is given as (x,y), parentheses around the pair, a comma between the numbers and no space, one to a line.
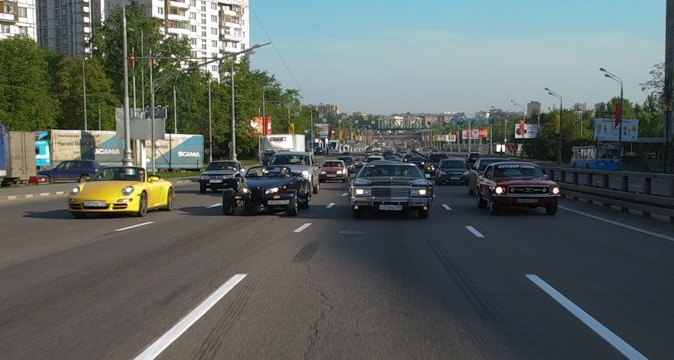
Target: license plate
(278,202)
(215,181)
(331,175)
(95,204)
(454,178)
(527,201)
(390,207)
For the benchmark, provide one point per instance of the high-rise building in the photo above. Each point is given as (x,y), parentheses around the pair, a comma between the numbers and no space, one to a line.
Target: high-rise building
(213,27)
(65,25)
(17,17)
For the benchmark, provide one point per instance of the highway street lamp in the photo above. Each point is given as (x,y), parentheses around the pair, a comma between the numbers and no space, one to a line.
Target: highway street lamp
(561,107)
(619,115)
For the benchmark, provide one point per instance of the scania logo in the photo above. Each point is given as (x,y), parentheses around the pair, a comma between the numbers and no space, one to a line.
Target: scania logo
(194,154)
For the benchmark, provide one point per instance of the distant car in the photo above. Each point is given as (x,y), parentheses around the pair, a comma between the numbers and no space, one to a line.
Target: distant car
(221,174)
(390,158)
(433,162)
(472,158)
(390,186)
(333,170)
(516,183)
(349,162)
(266,155)
(451,171)
(71,171)
(372,158)
(269,189)
(418,161)
(122,190)
(477,169)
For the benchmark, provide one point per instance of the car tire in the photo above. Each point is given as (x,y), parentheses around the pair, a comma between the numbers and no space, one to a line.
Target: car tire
(170,198)
(357,213)
(470,190)
(202,188)
(551,209)
(481,203)
(142,205)
(423,213)
(78,215)
(292,208)
(494,207)
(227,207)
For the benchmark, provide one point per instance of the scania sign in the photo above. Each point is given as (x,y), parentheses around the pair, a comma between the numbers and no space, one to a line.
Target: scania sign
(191,154)
(99,151)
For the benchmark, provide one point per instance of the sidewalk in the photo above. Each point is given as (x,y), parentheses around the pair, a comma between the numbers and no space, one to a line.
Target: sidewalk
(62,189)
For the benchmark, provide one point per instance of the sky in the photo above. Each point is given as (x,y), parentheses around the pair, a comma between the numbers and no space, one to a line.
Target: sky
(434,56)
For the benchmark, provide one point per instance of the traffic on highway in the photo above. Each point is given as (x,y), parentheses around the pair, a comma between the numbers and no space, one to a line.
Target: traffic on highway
(591,282)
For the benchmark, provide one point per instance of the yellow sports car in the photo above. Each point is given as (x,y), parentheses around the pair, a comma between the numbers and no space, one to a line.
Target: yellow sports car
(121,189)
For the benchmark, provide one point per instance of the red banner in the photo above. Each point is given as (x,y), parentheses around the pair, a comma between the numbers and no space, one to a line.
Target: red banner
(618,113)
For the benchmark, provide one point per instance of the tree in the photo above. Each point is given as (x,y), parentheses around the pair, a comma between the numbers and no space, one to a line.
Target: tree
(26,102)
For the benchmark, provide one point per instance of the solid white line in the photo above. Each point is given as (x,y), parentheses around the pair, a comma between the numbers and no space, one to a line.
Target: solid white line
(666,237)
(178,329)
(214,205)
(588,320)
(446,207)
(301,228)
(474,231)
(330,205)
(135,226)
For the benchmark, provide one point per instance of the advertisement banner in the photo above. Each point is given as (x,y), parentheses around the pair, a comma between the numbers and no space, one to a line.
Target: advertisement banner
(475,133)
(530,131)
(605,129)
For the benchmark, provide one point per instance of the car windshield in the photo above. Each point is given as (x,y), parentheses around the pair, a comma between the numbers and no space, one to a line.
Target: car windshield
(436,157)
(391,170)
(119,174)
(332,164)
(287,159)
(517,170)
(485,162)
(452,164)
(268,172)
(347,159)
(221,166)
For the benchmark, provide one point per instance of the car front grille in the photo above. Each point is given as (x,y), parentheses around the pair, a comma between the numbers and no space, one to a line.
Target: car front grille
(528,190)
(390,192)
(257,196)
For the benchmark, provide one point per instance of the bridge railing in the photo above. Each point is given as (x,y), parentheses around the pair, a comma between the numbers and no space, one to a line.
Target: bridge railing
(645,192)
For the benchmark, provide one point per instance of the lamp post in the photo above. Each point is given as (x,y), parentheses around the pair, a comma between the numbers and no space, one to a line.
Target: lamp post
(561,107)
(523,120)
(620,110)
(127,160)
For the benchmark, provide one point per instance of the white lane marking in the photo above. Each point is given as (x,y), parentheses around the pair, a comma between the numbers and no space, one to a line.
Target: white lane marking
(301,228)
(330,205)
(345,194)
(446,207)
(474,231)
(156,348)
(212,206)
(135,226)
(666,237)
(588,320)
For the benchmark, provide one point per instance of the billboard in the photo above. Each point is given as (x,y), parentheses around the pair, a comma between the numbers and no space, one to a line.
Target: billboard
(530,131)
(605,129)
(475,133)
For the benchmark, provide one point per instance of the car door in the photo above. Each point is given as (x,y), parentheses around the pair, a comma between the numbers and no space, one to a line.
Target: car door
(63,171)
(156,191)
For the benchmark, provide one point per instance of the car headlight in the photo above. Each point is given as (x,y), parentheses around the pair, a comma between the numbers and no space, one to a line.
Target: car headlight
(362,191)
(245,190)
(271,191)
(339,172)
(204,177)
(555,190)
(465,173)
(228,176)
(305,174)
(128,190)
(74,191)
(323,172)
(499,190)
(419,192)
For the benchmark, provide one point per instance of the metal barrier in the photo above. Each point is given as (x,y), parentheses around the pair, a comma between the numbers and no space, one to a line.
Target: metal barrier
(646,192)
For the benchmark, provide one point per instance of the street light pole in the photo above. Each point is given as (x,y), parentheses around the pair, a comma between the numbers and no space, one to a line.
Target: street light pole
(127,160)
(620,110)
(561,108)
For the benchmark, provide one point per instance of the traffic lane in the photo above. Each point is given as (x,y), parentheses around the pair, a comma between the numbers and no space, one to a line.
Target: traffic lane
(613,265)
(38,226)
(377,289)
(108,299)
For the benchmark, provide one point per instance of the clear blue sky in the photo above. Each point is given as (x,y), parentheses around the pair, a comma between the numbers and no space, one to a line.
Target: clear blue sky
(386,57)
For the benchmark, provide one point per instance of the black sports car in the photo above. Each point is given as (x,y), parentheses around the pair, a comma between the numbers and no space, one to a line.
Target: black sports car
(269,189)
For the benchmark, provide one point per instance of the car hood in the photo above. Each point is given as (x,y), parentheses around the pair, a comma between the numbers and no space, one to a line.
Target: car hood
(453,171)
(112,188)
(390,181)
(525,181)
(265,183)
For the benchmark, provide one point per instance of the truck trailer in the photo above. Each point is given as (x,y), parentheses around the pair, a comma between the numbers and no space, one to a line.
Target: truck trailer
(17,156)
(270,144)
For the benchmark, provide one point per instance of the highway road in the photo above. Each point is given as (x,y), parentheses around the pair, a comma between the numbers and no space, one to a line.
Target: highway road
(588,283)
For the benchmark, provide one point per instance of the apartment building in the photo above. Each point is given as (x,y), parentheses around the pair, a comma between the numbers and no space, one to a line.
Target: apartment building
(213,27)
(17,17)
(65,25)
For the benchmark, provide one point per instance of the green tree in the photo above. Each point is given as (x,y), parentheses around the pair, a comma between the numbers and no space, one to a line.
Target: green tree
(26,102)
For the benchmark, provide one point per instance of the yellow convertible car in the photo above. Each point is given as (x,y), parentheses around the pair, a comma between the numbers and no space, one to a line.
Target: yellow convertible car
(121,189)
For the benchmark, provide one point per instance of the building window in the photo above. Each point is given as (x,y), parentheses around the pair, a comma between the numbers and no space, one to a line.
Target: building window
(193,15)
(193,41)
(214,68)
(214,43)
(214,18)
(193,28)
(214,31)
(5,28)
(160,10)
(23,12)
(193,3)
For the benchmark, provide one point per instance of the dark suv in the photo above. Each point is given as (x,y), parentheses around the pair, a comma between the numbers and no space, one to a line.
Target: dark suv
(71,171)
(433,162)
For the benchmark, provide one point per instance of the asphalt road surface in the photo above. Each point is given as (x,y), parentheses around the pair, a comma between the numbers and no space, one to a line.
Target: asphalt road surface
(587,283)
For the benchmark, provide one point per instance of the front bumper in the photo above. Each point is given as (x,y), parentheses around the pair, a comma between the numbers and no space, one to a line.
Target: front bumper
(265,203)
(451,178)
(123,206)
(216,184)
(391,203)
(525,201)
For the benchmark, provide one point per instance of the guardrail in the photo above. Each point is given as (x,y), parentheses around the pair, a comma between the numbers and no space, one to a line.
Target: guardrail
(646,192)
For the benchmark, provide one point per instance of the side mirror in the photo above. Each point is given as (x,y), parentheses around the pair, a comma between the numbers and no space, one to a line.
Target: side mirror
(153,178)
